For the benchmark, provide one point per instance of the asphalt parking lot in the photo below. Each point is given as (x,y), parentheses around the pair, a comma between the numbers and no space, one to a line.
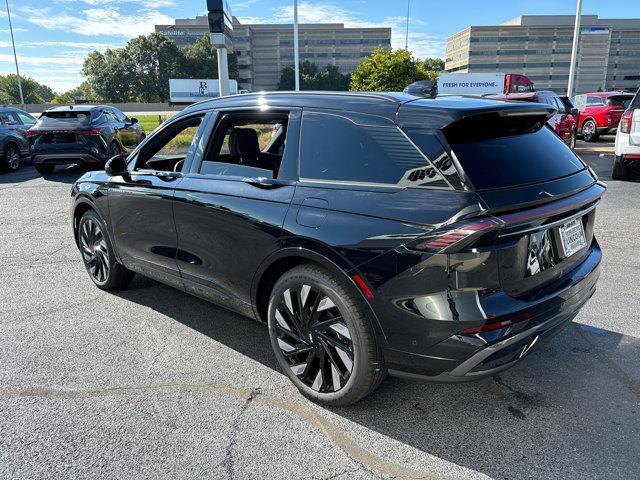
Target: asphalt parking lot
(153,383)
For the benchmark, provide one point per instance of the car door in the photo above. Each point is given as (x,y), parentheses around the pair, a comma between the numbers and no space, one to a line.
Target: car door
(230,210)
(141,202)
(127,131)
(12,129)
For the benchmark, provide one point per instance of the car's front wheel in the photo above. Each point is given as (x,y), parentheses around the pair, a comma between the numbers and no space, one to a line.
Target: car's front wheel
(11,158)
(589,131)
(98,255)
(322,337)
(620,170)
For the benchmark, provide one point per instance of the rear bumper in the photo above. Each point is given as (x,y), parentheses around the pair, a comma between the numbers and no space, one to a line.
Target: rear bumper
(86,158)
(462,358)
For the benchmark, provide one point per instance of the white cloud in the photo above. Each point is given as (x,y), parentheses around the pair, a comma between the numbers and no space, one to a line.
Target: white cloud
(95,21)
(77,45)
(29,60)
(421,44)
(15,29)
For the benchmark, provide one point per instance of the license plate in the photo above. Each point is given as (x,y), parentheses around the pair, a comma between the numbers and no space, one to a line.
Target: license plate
(572,237)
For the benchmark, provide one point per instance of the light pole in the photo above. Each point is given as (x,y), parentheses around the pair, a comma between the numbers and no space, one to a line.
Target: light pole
(15,56)
(406,38)
(574,49)
(295,45)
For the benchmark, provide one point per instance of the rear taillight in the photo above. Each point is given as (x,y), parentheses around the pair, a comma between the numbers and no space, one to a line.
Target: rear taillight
(35,133)
(457,235)
(625,121)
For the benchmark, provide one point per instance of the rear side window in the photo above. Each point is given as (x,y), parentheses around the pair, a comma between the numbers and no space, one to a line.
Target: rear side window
(595,101)
(362,149)
(499,152)
(64,119)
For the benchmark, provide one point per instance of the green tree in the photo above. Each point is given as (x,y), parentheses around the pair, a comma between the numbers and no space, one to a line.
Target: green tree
(201,60)
(82,91)
(111,75)
(387,71)
(33,91)
(433,64)
(314,78)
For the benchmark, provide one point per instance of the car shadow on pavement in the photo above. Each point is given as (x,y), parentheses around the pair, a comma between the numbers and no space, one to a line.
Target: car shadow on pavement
(570,410)
(27,172)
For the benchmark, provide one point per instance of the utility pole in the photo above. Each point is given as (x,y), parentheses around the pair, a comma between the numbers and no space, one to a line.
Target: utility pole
(223,71)
(574,49)
(296,52)
(15,55)
(406,38)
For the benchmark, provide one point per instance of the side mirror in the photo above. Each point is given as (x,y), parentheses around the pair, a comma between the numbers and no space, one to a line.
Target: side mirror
(132,121)
(574,111)
(117,166)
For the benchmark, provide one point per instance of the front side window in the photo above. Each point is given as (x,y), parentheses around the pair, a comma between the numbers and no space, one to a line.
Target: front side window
(168,150)
(8,118)
(247,145)
(361,149)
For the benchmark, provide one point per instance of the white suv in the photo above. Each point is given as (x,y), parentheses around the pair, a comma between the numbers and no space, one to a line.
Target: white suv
(628,141)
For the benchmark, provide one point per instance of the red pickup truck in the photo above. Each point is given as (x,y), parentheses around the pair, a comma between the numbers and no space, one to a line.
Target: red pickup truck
(600,112)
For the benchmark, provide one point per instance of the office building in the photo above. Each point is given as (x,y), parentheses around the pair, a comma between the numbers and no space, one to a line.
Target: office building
(539,46)
(265,49)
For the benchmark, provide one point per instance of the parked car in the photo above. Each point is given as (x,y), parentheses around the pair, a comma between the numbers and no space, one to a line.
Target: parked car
(87,135)
(627,147)
(600,112)
(441,239)
(563,121)
(14,145)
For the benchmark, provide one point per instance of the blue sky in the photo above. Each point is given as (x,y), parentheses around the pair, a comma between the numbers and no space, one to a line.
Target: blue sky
(54,36)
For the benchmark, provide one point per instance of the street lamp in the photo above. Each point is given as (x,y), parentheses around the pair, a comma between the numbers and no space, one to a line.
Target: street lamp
(296,60)
(15,56)
(406,38)
(574,49)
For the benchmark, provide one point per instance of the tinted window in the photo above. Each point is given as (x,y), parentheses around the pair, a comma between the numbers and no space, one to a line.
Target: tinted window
(119,116)
(361,148)
(9,118)
(26,118)
(498,152)
(622,101)
(64,119)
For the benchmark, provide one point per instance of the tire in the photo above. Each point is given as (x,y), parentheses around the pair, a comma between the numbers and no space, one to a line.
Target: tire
(590,131)
(98,255)
(620,170)
(44,169)
(331,356)
(11,158)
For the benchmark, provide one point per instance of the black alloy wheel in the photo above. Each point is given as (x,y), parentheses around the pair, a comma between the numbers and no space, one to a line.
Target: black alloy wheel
(322,338)
(97,254)
(11,158)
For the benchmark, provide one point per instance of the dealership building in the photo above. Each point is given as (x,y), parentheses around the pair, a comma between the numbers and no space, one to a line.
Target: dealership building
(265,49)
(539,46)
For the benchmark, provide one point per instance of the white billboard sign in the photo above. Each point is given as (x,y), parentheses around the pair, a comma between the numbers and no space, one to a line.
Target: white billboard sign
(191,91)
(471,83)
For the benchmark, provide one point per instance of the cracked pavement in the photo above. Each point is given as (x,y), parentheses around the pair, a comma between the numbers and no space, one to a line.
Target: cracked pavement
(153,383)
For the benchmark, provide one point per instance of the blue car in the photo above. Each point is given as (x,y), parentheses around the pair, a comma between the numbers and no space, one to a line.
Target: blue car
(13,139)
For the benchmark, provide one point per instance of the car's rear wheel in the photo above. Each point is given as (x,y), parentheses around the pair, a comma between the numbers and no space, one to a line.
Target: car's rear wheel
(11,158)
(44,169)
(98,255)
(322,337)
(620,170)
(589,131)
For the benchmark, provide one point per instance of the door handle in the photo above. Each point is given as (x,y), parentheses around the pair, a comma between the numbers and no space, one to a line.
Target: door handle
(265,183)
(168,176)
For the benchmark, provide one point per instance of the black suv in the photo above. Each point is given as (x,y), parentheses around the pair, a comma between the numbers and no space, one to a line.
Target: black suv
(14,145)
(87,135)
(439,239)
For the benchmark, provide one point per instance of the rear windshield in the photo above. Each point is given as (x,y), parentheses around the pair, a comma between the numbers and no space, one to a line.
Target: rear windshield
(64,119)
(499,152)
(619,101)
